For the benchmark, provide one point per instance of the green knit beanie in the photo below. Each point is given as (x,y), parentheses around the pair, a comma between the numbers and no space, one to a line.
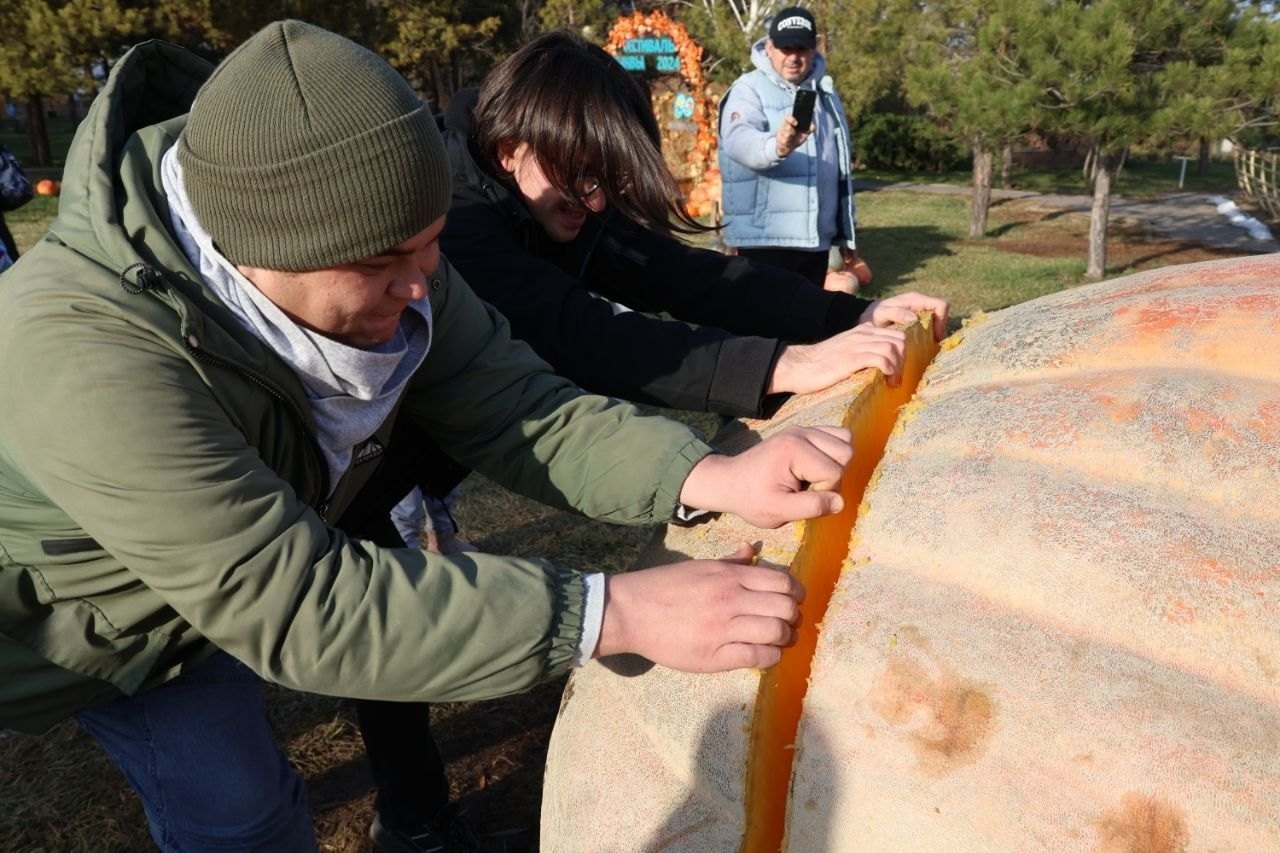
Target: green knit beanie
(304,150)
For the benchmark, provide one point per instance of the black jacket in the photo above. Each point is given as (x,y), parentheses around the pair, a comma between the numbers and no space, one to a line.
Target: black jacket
(741,310)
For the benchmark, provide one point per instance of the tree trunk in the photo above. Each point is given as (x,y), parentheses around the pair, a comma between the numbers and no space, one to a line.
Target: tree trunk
(1098,216)
(439,83)
(980,203)
(38,132)
(1006,167)
(529,23)
(1202,165)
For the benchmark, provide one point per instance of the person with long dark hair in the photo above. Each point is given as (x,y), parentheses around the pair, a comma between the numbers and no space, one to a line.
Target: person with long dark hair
(563,217)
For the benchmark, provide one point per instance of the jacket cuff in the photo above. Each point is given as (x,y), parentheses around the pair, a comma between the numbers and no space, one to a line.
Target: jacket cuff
(569,597)
(592,618)
(667,500)
(769,152)
(844,312)
(742,375)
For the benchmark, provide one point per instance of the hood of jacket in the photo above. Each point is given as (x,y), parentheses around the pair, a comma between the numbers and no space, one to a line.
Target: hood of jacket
(471,181)
(152,84)
(114,217)
(108,268)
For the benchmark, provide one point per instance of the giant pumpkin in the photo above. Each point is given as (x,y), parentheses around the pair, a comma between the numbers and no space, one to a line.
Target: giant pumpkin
(1055,625)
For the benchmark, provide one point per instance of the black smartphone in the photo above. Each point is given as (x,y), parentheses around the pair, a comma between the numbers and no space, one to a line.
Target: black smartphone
(802,110)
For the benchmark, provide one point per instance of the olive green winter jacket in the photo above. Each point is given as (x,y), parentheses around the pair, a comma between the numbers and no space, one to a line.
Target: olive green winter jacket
(161,491)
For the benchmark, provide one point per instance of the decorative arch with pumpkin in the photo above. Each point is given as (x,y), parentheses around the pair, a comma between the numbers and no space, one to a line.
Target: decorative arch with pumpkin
(694,154)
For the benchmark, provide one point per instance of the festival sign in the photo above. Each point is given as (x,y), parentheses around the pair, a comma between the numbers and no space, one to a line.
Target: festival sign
(653,45)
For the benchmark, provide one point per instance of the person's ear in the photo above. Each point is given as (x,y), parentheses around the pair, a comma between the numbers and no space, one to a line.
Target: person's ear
(507,151)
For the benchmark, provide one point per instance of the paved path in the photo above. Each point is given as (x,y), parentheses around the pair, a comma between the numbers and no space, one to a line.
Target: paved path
(1187,216)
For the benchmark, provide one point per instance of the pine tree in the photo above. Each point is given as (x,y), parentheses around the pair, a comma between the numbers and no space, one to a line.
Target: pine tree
(590,18)
(439,45)
(1113,71)
(53,49)
(975,83)
(1227,82)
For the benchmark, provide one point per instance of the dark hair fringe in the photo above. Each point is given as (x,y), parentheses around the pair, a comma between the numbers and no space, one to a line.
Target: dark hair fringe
(584,118)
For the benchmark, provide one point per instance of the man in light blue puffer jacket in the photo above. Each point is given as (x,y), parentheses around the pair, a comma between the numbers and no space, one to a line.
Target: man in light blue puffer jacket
(788,190)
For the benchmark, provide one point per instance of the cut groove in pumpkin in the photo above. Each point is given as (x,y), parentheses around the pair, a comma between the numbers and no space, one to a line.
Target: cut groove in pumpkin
(818,563)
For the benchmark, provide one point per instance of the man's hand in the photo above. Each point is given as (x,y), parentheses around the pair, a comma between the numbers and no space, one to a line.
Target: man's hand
(840,281)
(447,542)
(902,309)
(805,368)
(790,136)
(701,615)
(790,475)
(856,266)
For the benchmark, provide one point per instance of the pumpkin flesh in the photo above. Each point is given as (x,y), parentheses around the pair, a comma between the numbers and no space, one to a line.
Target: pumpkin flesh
(817,565)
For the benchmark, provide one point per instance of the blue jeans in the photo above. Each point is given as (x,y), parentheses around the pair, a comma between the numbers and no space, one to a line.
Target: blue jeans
(200,754)
(418,512)
(410,518)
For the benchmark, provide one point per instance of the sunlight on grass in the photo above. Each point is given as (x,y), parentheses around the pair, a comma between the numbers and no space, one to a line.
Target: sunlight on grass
(1140,178)
(916,241)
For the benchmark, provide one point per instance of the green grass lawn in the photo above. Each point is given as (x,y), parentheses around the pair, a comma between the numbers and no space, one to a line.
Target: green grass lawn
(916,241)
(1140,178)
(29,222)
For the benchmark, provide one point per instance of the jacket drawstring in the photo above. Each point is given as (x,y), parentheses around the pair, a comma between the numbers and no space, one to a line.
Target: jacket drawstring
(146,279)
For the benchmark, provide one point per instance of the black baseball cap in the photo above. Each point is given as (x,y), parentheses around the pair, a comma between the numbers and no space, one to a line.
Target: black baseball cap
(793,27)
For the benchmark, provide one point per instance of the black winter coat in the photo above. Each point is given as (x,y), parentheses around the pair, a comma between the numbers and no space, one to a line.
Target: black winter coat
(735,312)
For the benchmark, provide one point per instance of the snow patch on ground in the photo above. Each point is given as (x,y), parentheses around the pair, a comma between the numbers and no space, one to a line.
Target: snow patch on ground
(1228,208)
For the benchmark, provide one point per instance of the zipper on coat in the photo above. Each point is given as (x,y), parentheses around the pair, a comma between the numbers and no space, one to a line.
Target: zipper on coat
(193,347)
(148,278)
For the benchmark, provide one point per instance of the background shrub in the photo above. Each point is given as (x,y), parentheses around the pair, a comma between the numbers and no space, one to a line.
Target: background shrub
(908,143)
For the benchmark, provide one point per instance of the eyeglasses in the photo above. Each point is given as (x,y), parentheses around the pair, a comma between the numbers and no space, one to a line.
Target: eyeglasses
(590,188)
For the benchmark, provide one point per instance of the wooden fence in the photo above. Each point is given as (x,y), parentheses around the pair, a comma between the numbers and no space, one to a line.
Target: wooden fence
(1256,174)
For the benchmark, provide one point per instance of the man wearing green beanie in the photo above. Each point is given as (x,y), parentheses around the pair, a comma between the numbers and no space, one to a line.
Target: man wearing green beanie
(200,370)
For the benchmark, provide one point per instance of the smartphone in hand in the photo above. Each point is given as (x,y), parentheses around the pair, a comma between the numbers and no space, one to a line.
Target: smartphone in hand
(802,110)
